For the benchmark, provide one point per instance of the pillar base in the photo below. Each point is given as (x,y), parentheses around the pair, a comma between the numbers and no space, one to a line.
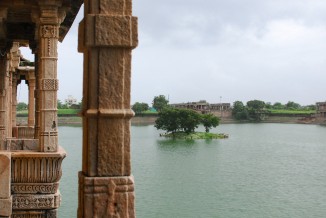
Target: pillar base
(106,196)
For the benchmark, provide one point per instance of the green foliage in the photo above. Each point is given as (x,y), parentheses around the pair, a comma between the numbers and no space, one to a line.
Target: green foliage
(160,102)
(256,109)
(238,106)
(139,108)
(175,120)
(292,105)
(278,106)
(291,112)
(196,135)
(188,120)
(68,111)
(168,120)
(209,121)
(239,111)
(21,106)
(61,105)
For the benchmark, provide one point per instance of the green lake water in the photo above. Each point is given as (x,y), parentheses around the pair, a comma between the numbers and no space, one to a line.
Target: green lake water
(262,170)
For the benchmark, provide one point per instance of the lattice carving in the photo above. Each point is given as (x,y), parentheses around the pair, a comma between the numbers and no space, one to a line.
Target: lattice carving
(50,84)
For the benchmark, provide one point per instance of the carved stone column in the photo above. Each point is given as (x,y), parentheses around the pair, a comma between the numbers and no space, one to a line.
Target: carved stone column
(107,35)
(3,99)
(14,100)
(14,59)
(49,21)
(31,99)
(37,100)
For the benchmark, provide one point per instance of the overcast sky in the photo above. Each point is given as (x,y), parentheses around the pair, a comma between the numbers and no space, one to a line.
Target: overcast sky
(190,50)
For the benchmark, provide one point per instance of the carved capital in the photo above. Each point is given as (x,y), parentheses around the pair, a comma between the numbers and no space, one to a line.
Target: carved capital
(49,31)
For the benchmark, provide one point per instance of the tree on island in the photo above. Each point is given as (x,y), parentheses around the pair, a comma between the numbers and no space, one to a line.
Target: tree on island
(174,120)
(160,102)
(139,108)
(188,120)
(168,120)
(209,121)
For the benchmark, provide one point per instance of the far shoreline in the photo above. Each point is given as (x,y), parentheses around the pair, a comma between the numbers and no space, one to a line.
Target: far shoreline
(150,120)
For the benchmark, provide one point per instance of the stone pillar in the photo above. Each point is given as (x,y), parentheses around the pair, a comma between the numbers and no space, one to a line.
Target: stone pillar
(3,99)
(107,35)
(31,99)
(14,60)
(37,100)
(14,100)
(49,21)
(5,191)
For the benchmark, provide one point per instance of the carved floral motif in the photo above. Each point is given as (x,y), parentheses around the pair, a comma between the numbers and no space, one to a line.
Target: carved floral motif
(33,188)
(35,201)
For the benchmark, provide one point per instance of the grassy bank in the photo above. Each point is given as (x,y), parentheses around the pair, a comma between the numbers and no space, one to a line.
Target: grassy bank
(275,112)
(61,112)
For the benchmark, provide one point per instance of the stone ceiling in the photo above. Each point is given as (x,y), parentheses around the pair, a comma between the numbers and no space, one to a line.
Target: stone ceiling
(16,22)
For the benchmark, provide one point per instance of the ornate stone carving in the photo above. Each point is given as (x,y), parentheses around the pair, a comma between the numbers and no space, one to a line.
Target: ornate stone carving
(23,202)
(36,167)
(35,214)
(49,31)
(107,196)
(22,144)
(50,84)
(34,188)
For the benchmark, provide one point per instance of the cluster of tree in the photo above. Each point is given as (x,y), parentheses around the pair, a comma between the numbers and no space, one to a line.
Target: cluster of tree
(21,106)
(254,110)
(289,106)
(174,120)
(159,103)
(257,110)
(61,105)
(139,108)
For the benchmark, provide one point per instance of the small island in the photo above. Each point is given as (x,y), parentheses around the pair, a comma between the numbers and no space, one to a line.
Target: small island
(181,124)
(195,135)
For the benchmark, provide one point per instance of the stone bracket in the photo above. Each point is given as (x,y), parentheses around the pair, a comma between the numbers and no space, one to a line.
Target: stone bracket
(111,31)
(106,196)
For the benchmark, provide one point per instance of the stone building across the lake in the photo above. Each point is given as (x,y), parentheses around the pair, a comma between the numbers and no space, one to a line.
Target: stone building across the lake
(222,110)
(321,110)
